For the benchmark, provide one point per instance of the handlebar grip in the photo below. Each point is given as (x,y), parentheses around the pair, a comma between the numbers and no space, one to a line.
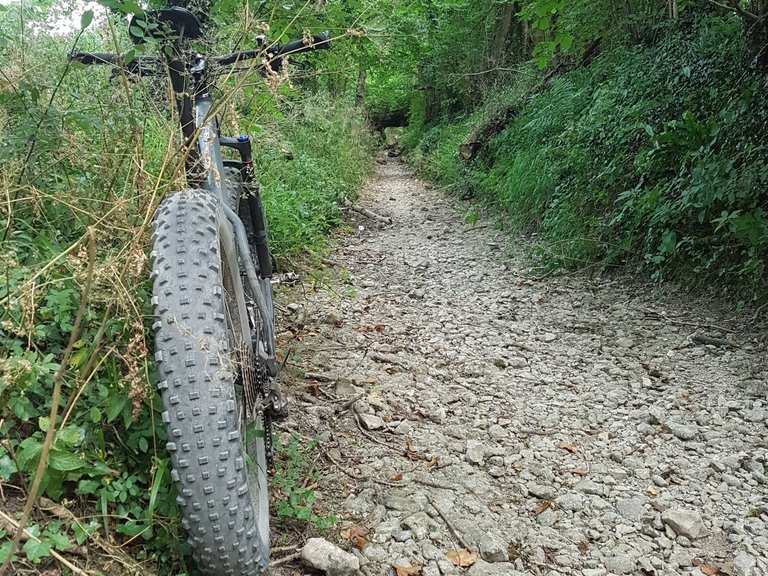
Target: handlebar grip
(320,41)
(94,57)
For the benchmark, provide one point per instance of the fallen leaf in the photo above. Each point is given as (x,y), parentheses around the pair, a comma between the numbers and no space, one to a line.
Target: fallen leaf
(709,570)
(462,558)
(407,570)
(583,547)
(373,328)
(356,535)
(543,505)
(572,448)
(396,478)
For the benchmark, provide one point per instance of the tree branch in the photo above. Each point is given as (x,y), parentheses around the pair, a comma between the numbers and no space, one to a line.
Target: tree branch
(736,8)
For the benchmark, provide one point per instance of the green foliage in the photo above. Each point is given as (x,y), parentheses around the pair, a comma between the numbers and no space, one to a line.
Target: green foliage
(653,155)
(310,159)
(294,474)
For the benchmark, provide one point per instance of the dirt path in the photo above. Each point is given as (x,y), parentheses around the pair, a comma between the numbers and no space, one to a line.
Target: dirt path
(558,426)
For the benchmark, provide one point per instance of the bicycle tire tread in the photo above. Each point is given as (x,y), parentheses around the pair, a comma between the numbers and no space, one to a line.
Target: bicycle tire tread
(196,385)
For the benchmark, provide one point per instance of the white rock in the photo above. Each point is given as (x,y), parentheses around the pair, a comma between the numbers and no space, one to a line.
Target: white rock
(483,568)
(541,491)
(631,508)
(404,427)
(371,421)
(419,524)
(492,549)
(329,558)
(683,431)
(621,564)
(571,501)
(475,452)
(744,564)
(686,523)
(589,487)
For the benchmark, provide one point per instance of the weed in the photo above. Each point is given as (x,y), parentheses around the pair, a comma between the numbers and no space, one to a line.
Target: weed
(294,496)
(471,216)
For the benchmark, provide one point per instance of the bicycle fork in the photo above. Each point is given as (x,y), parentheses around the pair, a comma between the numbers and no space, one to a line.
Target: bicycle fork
(258,238)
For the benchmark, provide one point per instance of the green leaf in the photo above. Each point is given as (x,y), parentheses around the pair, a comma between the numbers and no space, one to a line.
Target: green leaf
(5,550)
(36,550)
(64,461)
(59,541)
(94,414)
(28,452)
(87,487)
(70,435)
(86,19)
(116,405)
(23,408)
(7,466)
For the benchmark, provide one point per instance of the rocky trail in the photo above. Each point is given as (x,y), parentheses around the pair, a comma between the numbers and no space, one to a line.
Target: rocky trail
(475,420)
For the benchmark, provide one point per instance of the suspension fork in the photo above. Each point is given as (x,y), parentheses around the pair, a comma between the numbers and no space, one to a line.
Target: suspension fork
(259,235)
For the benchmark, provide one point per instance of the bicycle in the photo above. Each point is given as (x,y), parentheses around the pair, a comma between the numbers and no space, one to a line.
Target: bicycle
(215,345)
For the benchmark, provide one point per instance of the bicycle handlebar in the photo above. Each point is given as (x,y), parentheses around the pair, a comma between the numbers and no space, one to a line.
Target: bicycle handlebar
(145,64)
(320,41)
(94,57)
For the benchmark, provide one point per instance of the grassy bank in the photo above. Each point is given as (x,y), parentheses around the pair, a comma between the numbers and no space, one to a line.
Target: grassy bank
(654,156)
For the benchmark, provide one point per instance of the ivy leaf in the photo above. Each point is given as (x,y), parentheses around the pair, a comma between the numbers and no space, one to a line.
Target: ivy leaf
(59,541)
(87,487)
(7,466)
(5,550)
(70,435)
(28,451)
(35,550)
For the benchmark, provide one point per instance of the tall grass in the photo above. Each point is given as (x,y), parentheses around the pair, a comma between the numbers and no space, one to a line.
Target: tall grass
(100,156)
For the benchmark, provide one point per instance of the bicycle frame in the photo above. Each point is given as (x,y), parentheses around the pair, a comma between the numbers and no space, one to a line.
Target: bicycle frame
(198,124)
(204,162)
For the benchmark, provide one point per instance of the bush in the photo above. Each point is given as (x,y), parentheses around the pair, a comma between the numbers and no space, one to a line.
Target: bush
(654,155)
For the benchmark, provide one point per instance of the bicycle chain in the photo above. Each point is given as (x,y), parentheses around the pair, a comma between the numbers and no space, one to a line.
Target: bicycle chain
(266,415)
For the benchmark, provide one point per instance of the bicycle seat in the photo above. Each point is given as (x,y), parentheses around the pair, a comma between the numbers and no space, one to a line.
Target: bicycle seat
(175,22)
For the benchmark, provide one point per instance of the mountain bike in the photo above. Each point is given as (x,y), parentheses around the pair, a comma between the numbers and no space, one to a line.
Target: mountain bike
(214,326)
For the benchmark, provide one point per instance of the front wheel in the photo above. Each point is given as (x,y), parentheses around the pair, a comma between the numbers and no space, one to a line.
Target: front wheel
(202,343)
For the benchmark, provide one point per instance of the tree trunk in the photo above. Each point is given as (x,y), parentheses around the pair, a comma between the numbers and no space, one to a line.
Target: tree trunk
(503,28)
(362,76)
(673,11)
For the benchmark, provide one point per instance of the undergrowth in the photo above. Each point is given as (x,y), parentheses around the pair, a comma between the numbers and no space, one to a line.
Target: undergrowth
(81,154)
(653,156)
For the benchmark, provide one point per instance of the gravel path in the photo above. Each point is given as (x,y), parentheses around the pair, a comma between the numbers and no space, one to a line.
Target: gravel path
(555,426)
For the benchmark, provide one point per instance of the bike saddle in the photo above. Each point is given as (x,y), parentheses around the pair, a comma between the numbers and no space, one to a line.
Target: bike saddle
(175,22)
